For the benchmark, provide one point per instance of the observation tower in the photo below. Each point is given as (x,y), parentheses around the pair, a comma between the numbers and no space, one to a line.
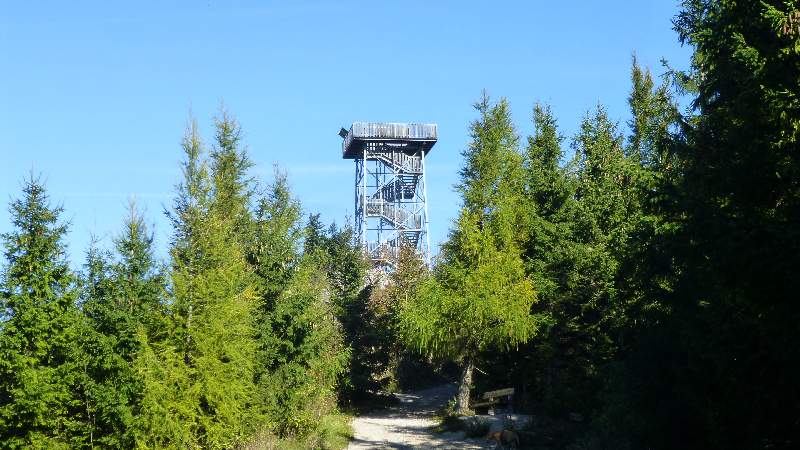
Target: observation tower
(391,208)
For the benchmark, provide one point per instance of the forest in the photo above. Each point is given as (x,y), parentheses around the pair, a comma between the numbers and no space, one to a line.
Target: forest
(637,275)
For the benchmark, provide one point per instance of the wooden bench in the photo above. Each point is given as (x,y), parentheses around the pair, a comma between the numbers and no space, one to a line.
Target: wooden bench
(489,399)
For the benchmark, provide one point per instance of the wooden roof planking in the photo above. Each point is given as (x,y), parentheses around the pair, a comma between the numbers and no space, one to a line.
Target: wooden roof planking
(411,136)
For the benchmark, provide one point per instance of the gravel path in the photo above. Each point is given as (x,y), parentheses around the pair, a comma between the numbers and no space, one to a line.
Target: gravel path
(408,425)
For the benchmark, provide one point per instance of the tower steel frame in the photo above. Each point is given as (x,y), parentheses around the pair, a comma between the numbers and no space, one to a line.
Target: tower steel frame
(391,202)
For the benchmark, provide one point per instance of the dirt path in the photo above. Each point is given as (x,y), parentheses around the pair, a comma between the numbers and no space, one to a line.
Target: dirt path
(408,425)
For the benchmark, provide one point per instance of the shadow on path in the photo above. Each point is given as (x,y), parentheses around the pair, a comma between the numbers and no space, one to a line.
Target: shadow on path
(408,425)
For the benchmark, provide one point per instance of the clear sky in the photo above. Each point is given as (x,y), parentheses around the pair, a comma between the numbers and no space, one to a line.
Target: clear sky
(95,95)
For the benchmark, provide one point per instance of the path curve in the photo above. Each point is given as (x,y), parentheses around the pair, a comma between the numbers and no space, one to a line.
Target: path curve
(408,425)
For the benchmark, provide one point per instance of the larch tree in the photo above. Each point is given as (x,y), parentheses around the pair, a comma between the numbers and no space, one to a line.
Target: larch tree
(233,188)
(209,358)
(480,296)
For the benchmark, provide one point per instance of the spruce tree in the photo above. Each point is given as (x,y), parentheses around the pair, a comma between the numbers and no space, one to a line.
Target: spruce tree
(121,298)
(314,238)
(274,256)
(346,266)
(306,352)
(40,323)
(274,252)
(731,366)
(550,204)
(139,275)
(653,117)
(605,212)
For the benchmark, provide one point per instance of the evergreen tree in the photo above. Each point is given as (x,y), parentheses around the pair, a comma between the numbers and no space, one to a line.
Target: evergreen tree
(139,276)
(306,353)
(275,250)
(605,211)
(120,299)
(380,361)
(314,235)
(346,267)
(345,264)
(302,353)
(40,323)
(653,115)
(727,352)
(550,204)
(403,368)
(274,258)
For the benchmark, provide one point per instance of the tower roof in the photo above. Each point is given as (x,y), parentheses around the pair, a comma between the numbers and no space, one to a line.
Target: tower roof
(411,136)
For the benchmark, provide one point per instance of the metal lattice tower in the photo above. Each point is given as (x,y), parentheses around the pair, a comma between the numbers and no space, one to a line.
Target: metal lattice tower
(391,208)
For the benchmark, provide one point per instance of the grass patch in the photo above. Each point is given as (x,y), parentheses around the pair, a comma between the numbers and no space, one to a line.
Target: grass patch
(334,432)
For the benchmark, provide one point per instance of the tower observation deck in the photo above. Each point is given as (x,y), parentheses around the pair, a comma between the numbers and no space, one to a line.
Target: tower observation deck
(391,208)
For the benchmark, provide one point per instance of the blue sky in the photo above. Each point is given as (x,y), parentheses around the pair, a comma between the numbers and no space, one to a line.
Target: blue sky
(95,95)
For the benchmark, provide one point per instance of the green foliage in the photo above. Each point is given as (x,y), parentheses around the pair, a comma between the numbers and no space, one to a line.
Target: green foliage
(40,323)
(468,308)
(306,353)
(336,250)
(120,299)
(333,433)
(654,115)
(301,349)
(274,252)
(232,186)
(492,164)
(480,296)
(733,239)
(209,351)
(385,364)
(240,335)
(647,283)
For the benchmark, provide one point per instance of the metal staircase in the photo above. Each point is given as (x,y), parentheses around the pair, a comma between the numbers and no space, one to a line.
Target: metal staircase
(390,194)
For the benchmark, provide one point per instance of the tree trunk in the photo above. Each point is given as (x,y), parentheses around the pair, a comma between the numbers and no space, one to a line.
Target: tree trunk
(462,405)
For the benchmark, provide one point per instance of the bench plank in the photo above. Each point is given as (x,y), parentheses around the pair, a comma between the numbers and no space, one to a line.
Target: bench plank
(480,404)
(498,393)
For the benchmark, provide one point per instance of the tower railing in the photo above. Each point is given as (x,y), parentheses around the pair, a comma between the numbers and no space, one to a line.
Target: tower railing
(389,131)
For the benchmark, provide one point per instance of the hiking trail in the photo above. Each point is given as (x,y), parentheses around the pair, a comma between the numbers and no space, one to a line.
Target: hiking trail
(409,424)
